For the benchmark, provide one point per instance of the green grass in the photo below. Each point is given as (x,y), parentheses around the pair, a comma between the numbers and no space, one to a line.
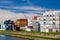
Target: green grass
(12,33)
(46,33)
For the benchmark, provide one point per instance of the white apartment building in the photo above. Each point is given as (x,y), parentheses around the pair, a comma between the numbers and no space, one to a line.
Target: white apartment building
(51,22)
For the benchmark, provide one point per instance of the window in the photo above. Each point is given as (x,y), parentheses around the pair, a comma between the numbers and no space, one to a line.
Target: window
(50,15)
(36,22)
(56,30)
(47,15)
(44,19)
(53,19)
(44,22)
(53,23)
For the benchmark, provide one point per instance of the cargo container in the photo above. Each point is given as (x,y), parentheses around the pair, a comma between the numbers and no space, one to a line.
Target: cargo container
(17,22)
(13,27)
(21,22)
(17,28)
(30,27)
(9,27)
(3,27)
(8,22)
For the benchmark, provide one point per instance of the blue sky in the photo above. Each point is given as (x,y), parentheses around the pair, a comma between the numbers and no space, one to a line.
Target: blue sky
(29,6)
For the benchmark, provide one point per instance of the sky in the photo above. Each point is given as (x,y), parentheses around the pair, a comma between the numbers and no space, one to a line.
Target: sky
(12,9)
(29,6)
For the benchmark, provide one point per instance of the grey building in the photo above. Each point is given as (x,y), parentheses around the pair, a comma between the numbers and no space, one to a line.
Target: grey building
(36,25)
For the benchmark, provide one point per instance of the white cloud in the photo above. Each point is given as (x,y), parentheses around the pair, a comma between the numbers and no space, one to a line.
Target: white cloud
(36,9)
(6,2)
(29,8)
(26,7)
(32,8)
